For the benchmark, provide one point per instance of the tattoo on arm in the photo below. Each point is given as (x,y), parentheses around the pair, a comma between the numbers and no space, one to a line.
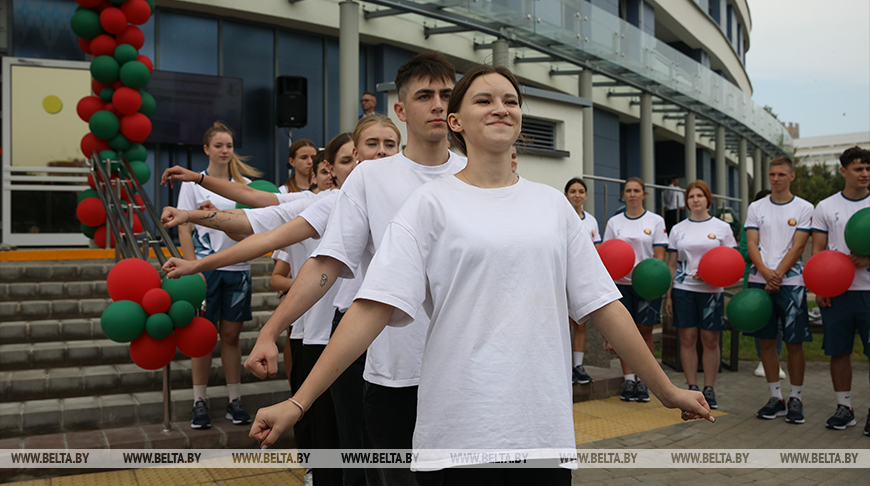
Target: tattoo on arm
(215,219)
(323,279)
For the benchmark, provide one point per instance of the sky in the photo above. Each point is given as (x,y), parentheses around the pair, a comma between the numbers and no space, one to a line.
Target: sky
(810,61)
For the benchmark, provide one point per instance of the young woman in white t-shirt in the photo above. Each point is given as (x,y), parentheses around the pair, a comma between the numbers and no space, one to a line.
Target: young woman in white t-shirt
(300,162)
(696,306)
(228,301)
(499,262)
(645,232)
(575,191)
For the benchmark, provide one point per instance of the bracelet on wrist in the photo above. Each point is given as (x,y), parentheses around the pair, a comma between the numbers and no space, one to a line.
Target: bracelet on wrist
(201,178)
(294,402)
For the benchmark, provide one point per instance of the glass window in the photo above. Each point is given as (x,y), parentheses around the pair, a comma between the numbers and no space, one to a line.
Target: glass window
(302,55)
(188,44)
(41,29)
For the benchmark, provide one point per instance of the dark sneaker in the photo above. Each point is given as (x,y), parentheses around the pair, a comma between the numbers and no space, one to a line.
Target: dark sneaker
(867,427)
(641,392)
(775,408)
(200,416)
(795,413)
(694,388)
(710,396)
(628,391)
(579,375)
(842,418)
(236,413)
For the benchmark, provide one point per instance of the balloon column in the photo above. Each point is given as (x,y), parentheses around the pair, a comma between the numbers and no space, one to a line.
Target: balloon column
(118,112)
(156,317)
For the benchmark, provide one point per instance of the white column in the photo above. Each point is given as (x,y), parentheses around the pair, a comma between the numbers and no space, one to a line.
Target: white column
(647,149)
(501,53)
(691,156)
(721,172)
(742,178)
(588,140)
(348,59)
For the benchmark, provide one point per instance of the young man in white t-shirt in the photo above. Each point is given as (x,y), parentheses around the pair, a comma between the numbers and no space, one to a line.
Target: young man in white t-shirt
(777,230)
(845,314)
(367,203)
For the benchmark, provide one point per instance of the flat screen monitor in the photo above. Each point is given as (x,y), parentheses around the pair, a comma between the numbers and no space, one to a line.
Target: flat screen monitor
(188,105)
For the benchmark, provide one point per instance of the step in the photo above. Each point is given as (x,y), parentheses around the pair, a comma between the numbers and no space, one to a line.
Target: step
(35,310)
(46,416)
(59,354)
(69,270)
(607,383)
(100,379)
(81,289)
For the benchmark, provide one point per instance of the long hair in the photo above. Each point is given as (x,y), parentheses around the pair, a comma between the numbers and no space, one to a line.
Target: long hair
(372,120)
(575,180)
(237,167)
(294,148)
(335,145)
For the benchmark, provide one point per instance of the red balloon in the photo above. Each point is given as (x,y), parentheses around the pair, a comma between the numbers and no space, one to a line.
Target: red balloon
(721,266)
(117,85)
(197,339)
(137,11)
(100,237)
(85,45)
(104,4)
(113,20)
(131,35)
(89,105)
(617,256)
(88,3)
(136,127)
(829,273)
(91,212)
(127,100)
(110,107)
(156,301)
(90,144)
(97,87)
(147,62)
(103,45)
(152,354)
(130,279)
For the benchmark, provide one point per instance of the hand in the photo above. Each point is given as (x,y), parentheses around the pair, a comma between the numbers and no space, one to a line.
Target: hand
(823,302)
(859,260)
(172,217)
(178,173)
(771,276)
(207,206)
(692,403)
(263,359)
(609,348)
(771,288)
(179,267)
(697,278)
(669,307)
(273,421)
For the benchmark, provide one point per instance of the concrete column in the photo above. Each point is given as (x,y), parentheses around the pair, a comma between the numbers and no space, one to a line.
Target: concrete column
(765,168)
(690,149)
(647,150)
(501,53)
(348,59)
(743,181)
(588,140)
(721,172)
(758,174)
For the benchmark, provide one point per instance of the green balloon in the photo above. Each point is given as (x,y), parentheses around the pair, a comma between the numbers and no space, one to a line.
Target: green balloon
(651,278)
(123,321)
(109,155)
(119,142)
(86,194)
(142,171)
(190,288)
(151,4)
(135,75)
(182,313)
(86,24)
(136,151)
(104,124)
(857,232)
(106,94)
(749,310)
(125,53)
(88,230)
(260,185)
(149,105)
(159,325)
(105,69)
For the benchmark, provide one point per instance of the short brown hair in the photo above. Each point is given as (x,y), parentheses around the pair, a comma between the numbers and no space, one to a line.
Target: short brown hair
(783,160)
(431,65)
(634,179)
(699,184)
(854,153)
(461,89)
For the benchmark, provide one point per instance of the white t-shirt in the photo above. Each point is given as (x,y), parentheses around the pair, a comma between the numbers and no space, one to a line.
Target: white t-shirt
(369,198)
(691,240)
(270,217)
(499,271)
(592,227)
(643,233)
(285,197)
(297,330)
(776,225)
(830,217)
(207,241)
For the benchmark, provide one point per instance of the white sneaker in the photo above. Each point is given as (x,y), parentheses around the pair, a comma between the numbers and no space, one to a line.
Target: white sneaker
(759,371)
(781,373)
(308,479)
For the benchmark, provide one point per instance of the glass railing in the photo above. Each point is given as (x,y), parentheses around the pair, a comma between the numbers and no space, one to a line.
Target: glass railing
(576,25)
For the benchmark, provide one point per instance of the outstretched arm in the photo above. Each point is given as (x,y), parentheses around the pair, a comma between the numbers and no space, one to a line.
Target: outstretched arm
(240,193)
(360,326)
(230,221)
(252,247)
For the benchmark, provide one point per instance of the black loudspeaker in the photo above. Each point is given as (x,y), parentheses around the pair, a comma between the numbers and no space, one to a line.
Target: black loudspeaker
(292,101)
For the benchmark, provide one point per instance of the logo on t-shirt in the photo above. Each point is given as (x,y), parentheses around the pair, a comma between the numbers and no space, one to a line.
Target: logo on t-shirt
(712,236)
(647,231)
(792,222)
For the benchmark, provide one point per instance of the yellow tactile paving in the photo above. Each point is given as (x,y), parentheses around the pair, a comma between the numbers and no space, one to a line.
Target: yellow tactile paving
(111,478)
(220,474)
(159,476)
(34,482)
(275,479)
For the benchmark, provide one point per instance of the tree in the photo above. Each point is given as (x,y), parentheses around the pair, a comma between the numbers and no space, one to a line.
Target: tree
(817,182)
